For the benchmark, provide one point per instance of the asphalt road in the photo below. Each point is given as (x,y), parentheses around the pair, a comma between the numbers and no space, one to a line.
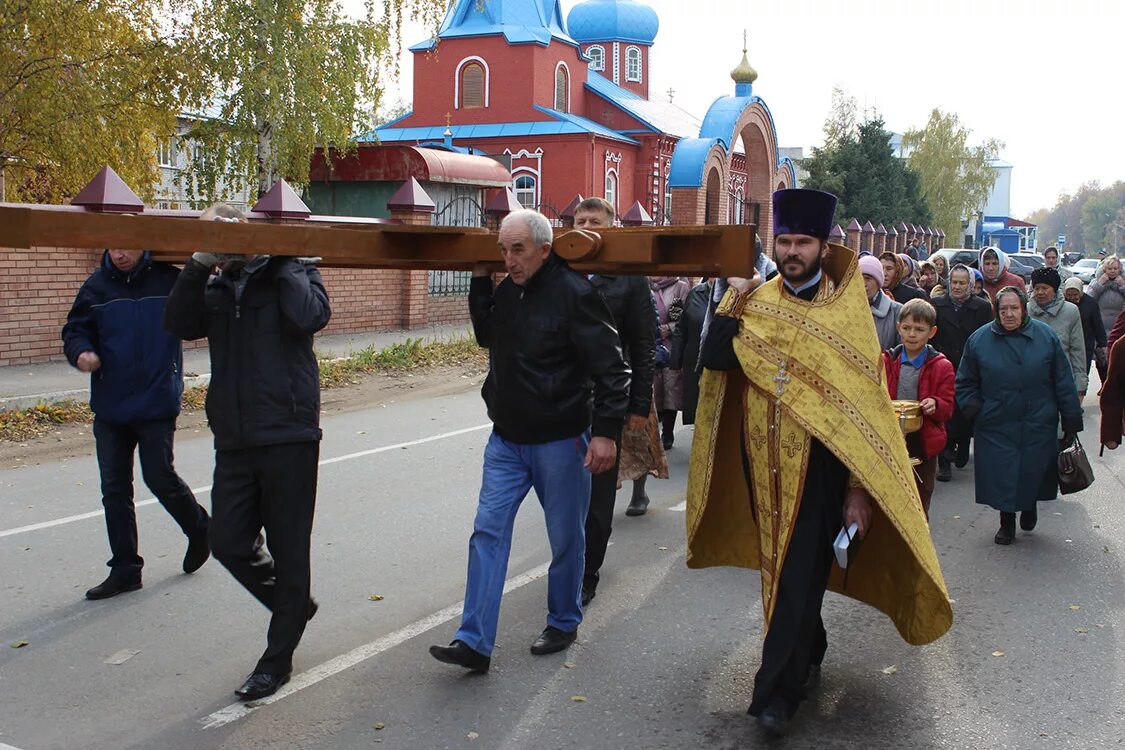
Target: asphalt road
(665,658)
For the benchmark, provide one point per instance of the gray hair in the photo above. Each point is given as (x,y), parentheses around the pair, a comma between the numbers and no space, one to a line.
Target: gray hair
(536,223)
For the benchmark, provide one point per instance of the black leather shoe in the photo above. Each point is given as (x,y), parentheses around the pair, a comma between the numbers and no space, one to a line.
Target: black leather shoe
(944,471)
(774,721)
(588,594)
(198,550)
(668,441)
(961,457)
(1007,530)
(1028,519)
(461,655)
(261,685)
(638,506)
(552,640)
(114,585)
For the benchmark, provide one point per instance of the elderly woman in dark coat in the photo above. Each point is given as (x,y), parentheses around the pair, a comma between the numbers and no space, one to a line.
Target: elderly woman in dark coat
(1014,383)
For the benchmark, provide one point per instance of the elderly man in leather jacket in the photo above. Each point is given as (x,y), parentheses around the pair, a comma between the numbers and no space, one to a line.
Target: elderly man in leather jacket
(630,302)
(259,315)
(550,337)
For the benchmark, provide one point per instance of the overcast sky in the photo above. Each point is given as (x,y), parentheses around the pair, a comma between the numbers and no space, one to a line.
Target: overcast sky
(1061,116)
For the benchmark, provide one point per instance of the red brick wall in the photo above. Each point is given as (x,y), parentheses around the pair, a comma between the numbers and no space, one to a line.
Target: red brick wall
(38,287)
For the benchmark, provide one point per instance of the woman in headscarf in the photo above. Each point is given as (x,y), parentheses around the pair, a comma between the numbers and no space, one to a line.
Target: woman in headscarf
(927,276)
(1093,332)
(1014,383)
(994,264)
(1108,290)
(897,272)
(942,269)
(978,285)
(670,293)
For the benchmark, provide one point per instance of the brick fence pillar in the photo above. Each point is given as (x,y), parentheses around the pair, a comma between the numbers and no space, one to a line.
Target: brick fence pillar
(866,237)
(413,206)
(853,232)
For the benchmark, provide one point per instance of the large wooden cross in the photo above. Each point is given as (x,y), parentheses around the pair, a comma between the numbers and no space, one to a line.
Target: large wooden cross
(373,243)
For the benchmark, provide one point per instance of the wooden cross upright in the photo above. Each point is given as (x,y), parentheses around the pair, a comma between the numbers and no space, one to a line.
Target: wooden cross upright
(356,242)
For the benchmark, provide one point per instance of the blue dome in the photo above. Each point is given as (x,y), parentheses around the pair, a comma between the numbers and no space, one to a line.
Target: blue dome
(613,21)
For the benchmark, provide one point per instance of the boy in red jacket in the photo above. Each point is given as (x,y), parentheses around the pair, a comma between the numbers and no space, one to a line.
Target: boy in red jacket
(918,372)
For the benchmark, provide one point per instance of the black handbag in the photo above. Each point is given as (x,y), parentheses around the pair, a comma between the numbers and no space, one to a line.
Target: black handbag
(1075,472)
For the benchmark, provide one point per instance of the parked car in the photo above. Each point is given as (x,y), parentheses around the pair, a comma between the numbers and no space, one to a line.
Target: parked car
(1034,260)
(1085,269)
(1069,259)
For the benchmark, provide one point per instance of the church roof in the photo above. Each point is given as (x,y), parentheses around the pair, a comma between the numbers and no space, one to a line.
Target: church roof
(519,21)
(613,21)
(563,123)
(661,117)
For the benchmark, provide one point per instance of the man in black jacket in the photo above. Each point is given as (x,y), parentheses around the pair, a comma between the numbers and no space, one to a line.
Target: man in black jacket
(550,337)
(959,314)
(136,385)
(630,302)
(259,315)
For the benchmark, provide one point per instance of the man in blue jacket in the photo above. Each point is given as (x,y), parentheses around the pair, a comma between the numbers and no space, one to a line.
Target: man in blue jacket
(113,332)
(259,314)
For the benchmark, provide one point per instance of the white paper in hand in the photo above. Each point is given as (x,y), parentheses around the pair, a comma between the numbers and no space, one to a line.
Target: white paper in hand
(842,544)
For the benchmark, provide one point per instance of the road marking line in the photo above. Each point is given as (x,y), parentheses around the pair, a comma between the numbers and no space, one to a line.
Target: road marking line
(203,490)
(334,666)
(681,508)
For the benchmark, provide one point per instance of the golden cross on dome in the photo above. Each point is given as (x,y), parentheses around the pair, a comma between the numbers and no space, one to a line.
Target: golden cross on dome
(744,47)
(448,119)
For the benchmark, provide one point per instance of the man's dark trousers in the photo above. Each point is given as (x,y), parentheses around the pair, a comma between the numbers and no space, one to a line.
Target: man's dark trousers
(599,521)
(115,445)
(271,487)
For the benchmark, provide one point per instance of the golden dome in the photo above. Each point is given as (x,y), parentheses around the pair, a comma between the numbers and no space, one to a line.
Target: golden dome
(744,73)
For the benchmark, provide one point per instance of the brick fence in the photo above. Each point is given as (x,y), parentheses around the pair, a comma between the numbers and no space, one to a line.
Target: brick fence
(38,287)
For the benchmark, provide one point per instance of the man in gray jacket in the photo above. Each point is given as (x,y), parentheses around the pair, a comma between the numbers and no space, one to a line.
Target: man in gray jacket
(1048,306)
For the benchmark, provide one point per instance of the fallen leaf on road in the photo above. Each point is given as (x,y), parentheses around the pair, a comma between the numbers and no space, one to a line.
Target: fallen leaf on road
(569,664)
(891,669)
(1069,541)
(1044,734)
(379,725)
(1075,607)
(957,516)
(472,735)
(19,644)
(1081,631)
(1057,513)
(375,598)
(362,432)
(578,698)
(662,549)
(122,656)
(997,653)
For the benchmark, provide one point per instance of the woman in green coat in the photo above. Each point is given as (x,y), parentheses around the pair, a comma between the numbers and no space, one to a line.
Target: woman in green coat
(1014,383)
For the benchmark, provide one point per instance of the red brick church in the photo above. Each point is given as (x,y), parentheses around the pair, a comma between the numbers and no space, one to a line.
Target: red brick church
(567,101)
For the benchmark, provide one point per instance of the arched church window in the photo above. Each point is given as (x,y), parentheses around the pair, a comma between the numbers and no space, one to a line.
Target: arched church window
(525,190)
(633,64)
(611,188)
(562,88)
(596,54)
(472,86)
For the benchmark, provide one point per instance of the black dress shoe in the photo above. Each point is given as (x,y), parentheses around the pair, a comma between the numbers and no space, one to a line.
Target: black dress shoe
(638,506)
(774,720)
(261,685)
(461,655)
(552,640)
(668,441)
(1007,530)
(1028,519)
(588,594)
(117,583)
(961,457)
(198,550)
(944,470)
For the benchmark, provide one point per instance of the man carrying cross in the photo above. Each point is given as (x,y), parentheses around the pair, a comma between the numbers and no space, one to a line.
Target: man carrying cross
(796,438)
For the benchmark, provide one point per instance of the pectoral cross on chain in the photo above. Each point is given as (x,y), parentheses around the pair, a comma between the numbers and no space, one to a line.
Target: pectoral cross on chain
(782,378)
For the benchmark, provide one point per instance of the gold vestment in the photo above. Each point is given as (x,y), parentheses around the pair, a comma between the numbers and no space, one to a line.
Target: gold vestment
(811,370)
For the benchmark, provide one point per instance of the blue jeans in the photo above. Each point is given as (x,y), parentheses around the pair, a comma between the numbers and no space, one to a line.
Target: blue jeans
(562,483)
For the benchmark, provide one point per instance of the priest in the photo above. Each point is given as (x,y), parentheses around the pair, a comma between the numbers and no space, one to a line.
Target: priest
(796,439)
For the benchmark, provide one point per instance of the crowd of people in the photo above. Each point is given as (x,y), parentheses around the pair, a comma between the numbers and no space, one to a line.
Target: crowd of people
(798,442)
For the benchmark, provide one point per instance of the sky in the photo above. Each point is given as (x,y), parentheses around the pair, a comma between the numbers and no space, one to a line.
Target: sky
(1042,76)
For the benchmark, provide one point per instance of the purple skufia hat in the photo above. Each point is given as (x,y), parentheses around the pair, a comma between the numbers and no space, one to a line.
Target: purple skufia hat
(801,211)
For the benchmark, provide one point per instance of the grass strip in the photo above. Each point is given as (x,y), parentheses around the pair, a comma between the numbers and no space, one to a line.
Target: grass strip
(413,354)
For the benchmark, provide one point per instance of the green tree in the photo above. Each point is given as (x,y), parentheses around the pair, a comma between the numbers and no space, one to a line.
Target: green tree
(83,83)
(840,125)
(956,177)
(277,78)
(860,168)
(1097,214)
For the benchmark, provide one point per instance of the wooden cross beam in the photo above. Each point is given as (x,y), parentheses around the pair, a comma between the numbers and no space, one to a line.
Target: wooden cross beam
(372,243)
